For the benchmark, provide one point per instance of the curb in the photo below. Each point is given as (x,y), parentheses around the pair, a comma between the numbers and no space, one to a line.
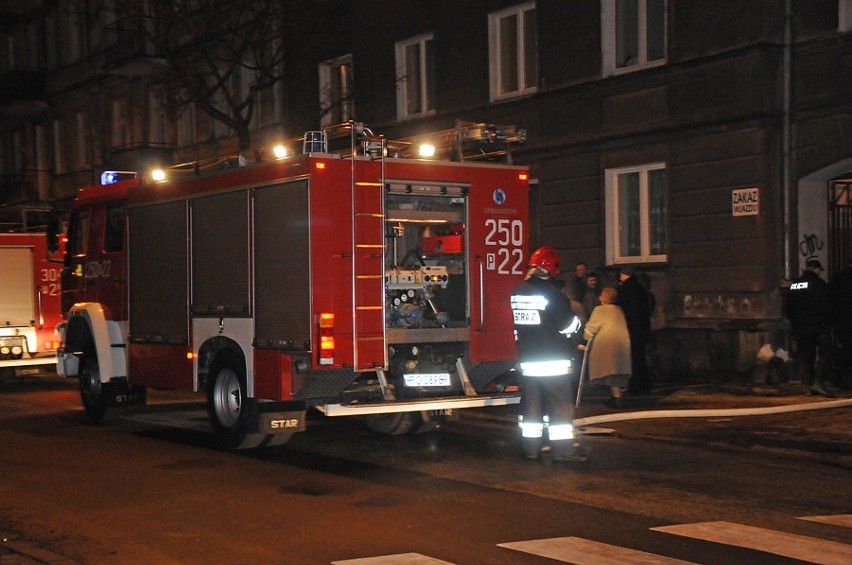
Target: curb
(841,460)
(710,412)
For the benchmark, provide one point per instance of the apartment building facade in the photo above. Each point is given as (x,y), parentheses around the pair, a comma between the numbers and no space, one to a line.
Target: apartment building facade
(705,142)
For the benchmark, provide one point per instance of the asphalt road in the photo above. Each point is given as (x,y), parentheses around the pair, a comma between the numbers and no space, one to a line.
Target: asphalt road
(150,487)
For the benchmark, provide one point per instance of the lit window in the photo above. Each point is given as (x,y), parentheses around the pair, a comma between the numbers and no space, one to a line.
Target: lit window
(636,206)
(633,34)
(415,79)
(335,81)
(513,51)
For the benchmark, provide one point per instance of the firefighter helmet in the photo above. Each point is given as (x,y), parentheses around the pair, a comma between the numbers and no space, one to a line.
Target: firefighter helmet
(547,259)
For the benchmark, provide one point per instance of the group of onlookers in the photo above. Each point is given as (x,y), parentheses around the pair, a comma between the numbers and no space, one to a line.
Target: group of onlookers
(617,327)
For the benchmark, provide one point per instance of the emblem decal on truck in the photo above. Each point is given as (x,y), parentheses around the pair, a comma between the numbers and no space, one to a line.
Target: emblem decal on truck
(499,197)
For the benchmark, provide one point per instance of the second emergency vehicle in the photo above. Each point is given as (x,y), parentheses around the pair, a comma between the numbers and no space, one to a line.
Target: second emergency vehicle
(29,300)
(357,282)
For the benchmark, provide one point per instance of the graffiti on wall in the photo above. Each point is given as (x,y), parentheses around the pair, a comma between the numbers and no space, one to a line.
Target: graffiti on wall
(810,246)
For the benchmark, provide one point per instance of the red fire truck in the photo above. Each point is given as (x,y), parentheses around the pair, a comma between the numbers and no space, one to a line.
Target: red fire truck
(358,282)
(29,300)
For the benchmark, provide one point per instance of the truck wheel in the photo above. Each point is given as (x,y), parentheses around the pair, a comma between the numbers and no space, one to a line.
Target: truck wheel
(397,423)
(229,409)
(92,390)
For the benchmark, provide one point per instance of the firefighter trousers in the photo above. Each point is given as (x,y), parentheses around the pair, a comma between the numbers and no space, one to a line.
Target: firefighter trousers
(547,411)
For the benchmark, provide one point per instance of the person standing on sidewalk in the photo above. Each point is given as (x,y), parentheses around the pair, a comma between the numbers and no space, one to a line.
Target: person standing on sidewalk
(591,299)
(810,309)
(543,323)
(609,348)
(578,286)
(635,300)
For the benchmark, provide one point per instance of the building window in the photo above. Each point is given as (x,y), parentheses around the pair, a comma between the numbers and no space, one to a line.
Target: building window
(186,127)
(120,124)
(415,77)
(71,22)
(636,212)
(266,106)
(156,120)
(513,52)
(82,141)
(844,15)
(58,148)
(633,34)
(335,80)
(18,150)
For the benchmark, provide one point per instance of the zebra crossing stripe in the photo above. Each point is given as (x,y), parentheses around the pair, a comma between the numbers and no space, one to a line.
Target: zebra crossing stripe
(842,520)
(804,548)
(587,552)
(398,559)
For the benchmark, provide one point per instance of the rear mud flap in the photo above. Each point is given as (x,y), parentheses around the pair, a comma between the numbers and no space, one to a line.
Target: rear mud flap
(122,394)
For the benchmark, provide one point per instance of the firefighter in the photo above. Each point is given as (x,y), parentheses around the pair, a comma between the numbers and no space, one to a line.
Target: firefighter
(544,324)
(810,310)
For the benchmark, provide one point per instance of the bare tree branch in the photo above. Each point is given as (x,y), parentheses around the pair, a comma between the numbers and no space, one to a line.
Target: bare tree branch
(222,53)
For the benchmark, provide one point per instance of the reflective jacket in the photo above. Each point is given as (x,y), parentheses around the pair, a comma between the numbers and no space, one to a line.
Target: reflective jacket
(809,304)
(544,323)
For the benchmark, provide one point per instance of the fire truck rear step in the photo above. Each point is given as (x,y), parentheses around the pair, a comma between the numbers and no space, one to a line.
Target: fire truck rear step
(27,361)
(393,406)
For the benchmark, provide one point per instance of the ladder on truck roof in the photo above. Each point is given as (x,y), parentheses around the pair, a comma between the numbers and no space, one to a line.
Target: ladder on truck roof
(370,349)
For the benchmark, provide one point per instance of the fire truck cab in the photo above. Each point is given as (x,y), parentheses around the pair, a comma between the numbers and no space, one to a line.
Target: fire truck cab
(358,282)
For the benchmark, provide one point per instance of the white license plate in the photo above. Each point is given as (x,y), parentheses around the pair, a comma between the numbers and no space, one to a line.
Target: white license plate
(427,379)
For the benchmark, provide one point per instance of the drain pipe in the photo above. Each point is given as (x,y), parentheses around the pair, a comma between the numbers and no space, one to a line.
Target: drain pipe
(787,141)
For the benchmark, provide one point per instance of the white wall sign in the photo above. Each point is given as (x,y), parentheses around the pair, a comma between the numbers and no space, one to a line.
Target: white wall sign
(745,202)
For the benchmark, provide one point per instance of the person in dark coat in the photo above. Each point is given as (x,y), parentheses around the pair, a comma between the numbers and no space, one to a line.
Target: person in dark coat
(591,298)
(578,287)
(544,321)
(810,309)
(635,301)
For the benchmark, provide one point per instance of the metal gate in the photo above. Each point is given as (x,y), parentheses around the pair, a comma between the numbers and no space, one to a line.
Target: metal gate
(839,223)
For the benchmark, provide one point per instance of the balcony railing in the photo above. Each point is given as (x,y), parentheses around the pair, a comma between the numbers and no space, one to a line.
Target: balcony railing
(127,49)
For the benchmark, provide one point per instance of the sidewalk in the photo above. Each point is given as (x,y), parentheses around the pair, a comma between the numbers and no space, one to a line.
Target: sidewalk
(781,419)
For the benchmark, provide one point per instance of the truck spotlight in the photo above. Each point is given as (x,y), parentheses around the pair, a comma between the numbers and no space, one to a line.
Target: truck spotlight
(280,152)
(158,175)
(426,150)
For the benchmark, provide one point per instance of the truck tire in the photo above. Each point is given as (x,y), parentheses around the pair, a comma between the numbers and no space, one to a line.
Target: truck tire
(93,392)
(394,424)
(230,411)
